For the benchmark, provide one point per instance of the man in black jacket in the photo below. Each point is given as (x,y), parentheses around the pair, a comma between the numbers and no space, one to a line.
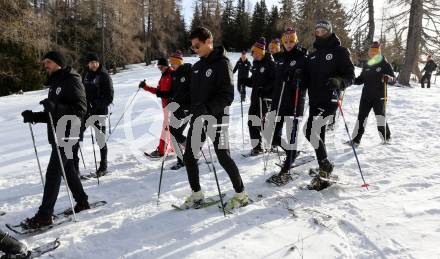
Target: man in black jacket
(212,91)
(99,93)
(261,82)
(430,67)
(243,66)
(288,80)
(328,70)
(66,97)
(375,74)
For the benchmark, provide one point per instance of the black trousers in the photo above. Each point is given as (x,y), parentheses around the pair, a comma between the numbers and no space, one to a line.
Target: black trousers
(53,180)
(365,107)
(196,137)
(255,132)
(319,117)
(177,127)
(426,76)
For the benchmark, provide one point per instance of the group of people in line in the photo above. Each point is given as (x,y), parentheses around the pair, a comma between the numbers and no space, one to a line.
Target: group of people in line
(280,77)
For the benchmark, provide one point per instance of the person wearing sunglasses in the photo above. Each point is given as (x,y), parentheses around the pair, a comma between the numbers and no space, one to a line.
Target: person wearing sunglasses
(289,94)
(163,87)
(212,92)
(328,71)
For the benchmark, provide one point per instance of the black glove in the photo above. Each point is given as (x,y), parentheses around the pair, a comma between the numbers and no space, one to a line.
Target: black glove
(387,78)
(142,84)
(48,105)
(335,83)
(28,116)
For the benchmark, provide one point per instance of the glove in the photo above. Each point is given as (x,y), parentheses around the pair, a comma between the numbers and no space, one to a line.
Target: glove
(28,116)
(386,78)
(142,84)
(48,105)
(335,83)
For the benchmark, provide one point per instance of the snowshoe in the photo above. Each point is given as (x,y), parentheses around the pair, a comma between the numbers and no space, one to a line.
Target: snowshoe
(177,166)
(280,179)
(11,246)
(155,154)
(237,201)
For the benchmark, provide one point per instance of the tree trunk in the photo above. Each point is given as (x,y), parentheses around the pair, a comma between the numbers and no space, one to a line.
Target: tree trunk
(371,24)
(413,41)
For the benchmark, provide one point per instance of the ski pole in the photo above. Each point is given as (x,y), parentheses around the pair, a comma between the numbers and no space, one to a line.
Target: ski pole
(61,164)
(261,122)
(266,157)
(36,154)
(206,160)
(242,123)
(82,157)
(94,154)
(385,100)
(352,144)
(216,178)
(122,116)
(162,165)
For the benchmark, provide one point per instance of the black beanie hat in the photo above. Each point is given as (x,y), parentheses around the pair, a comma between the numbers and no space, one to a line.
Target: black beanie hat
(55,56)
(325,25)
(163,62)
(91,56)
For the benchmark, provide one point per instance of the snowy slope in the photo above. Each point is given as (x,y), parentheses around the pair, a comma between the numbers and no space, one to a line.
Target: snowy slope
(397,218)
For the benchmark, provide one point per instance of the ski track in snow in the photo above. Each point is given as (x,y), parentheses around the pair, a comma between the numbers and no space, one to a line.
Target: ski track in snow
(397,218)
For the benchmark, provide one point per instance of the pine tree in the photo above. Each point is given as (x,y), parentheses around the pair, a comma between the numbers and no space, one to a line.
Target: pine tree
(196,21)
(274,28)
(242,24)
(259,21)
(287,13)
(227,24)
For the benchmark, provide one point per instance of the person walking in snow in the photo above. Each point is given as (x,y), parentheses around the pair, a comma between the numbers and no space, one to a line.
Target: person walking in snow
(163,86)
(99,93)
(212,91)
(328,71)
(243,66)
(430,67)
(288,75)
(376,73)
(261,82)
(66,96)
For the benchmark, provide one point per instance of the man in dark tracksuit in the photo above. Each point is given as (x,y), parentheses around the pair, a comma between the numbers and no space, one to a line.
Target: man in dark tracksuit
(328,70)
(261,82)
(66,97)
(288,74)
(99,92)
(430,67)
(374,75)
(212,91)
(179,94)
(243,66)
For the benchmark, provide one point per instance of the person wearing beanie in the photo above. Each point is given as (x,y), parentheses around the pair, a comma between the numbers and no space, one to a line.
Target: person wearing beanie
(374,76)
(430,67)
(164,86)
(99,93)
(289,95)
(212,92)
(66,97)
(275,49)
(243,66)
(261,82)
(327,72)
(179,96)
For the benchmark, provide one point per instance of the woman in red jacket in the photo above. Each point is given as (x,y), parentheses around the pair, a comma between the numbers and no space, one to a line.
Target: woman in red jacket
(163,87)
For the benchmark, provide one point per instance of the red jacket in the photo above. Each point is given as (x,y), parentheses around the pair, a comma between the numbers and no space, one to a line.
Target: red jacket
(163,86)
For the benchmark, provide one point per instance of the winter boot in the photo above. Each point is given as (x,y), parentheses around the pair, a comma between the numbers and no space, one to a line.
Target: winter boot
(257,151)
(355,143)
(11,246)
(154,154)
(238,200)
(195,201)
(80,206)
(177,166)
(325,168)
(280,179)
(37,221)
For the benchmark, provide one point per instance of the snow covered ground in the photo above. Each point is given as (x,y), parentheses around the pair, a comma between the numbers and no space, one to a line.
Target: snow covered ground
(399,217)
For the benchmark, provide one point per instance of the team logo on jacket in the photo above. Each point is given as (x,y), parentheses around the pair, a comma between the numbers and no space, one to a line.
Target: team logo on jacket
(293,63)
(196,71)
(262,70)
(378,69)
(208,72)
(182,80)
(58,91)
(329,57)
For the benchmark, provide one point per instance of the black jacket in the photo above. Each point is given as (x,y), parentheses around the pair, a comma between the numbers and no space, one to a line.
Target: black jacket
(262,79)
(180,87)
(243,68)
(329,60)
(430,66)
(285,68)
(372,78)
(68,95)
(211,83)
(99,91)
